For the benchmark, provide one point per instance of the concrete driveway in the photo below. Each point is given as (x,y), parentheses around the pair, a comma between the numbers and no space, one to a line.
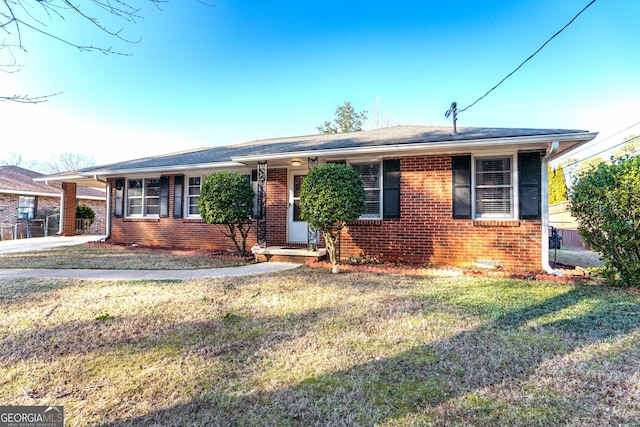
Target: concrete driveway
(37,243)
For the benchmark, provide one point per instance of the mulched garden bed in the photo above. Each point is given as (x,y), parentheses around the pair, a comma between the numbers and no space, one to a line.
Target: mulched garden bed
(570,274)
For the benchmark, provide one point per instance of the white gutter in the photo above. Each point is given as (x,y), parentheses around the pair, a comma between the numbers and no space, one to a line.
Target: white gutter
(555,145)
(107,227)
(28,193)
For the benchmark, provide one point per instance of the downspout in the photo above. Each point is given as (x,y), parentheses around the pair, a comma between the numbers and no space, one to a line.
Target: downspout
(107,227)
(555,145)
(60,220)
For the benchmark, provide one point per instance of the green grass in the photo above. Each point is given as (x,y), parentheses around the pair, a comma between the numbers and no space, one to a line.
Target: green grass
(115,258)
(306,347)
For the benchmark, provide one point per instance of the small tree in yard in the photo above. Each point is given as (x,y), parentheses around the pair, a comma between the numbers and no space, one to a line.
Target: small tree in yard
(331,195)
(227,198)
(606,202)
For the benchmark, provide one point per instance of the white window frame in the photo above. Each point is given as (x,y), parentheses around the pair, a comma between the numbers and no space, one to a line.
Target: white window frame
(378,162)
(144,198)
(187,214)
(513,207)
(188,196)
(27,204)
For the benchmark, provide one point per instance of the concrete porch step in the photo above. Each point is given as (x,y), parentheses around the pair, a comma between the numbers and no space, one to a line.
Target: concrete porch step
(290,254)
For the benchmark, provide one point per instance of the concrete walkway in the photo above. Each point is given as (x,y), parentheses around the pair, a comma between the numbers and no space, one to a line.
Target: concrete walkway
(38,243)
(244,270)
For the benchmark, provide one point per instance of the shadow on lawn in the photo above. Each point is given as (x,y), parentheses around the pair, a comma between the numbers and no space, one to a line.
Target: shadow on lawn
(505,350)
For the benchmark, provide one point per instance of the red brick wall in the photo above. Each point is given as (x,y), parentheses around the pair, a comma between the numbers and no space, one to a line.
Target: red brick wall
(172,232)
(277,194)
(427,233)
(69,215)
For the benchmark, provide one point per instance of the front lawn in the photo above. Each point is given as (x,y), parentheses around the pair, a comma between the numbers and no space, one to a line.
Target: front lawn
(114,257)
(305,347)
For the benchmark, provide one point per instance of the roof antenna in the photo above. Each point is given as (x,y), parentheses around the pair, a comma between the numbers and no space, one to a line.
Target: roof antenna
(454,110)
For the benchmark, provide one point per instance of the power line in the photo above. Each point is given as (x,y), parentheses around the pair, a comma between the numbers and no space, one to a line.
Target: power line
(603,151)
(588,146)
(526,60)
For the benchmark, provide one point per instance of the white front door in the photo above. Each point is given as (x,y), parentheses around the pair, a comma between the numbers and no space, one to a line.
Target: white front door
(297,229)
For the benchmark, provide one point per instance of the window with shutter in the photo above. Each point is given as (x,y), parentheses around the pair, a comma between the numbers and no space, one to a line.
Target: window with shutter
(493,187)
(370,175)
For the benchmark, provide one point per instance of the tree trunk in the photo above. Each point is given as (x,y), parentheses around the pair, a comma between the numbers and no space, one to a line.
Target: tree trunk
(331,239)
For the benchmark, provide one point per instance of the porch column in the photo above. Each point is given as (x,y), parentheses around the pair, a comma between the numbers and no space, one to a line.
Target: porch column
(313,237)
(68,209)
(261,222)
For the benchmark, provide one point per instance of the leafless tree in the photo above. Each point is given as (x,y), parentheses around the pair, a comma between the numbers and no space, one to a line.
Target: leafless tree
(11,158)
(66,162)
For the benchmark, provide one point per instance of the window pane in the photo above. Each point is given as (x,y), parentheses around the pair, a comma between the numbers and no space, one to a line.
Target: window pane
(194,209)
(135,188)
(369,173)
(152,187)
(297,184)
(372,204)
(153,209)
(493,187)
(135,207)
(26,207)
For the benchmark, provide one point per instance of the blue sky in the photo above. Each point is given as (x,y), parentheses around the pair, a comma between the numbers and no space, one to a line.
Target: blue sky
(239,71)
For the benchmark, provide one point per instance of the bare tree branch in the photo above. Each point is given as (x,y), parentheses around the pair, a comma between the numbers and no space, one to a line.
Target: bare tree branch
(17,17)
(26,99)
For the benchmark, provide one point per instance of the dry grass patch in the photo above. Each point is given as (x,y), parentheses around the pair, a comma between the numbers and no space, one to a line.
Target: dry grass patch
(306,347)
(111,257)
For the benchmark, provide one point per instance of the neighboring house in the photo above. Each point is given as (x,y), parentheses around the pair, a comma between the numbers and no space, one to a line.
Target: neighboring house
(478,196)
(26,202)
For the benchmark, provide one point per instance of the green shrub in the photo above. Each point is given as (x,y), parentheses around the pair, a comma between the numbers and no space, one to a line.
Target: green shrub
(606,202)
(331,195)
(227,198)
(84,212)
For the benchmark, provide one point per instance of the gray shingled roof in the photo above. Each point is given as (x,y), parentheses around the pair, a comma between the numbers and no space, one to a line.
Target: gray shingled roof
(17,180)
(390,136)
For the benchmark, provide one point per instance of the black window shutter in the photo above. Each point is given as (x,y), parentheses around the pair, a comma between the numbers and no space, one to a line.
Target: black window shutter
(530,185)
(461,170)
(391,189)
(461,178)
(164,196)
(118,203)
(178,191)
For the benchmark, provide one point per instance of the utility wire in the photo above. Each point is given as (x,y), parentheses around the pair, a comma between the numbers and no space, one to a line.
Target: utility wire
(603,151)
(588,146)
(526,60)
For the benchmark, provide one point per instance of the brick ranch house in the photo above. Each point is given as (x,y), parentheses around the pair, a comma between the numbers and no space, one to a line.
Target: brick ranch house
(479,196)
(22,200)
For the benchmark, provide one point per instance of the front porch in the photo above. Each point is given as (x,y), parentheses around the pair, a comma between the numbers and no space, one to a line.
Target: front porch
(290,253)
